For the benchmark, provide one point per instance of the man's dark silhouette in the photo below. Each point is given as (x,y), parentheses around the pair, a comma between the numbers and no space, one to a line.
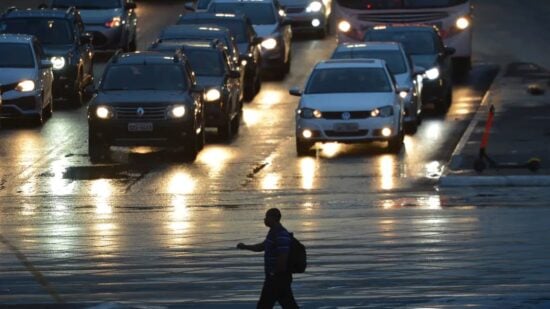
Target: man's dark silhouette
(277,276)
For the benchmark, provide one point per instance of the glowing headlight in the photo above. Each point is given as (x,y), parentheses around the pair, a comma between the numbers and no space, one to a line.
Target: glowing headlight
(432,73)
(103,112)
(344,26)
(244,62)
(462,23)
(270,43)
(113,23)
(385,111)
(309,113)
(25,86)
(403,94)
(213,95)
(307,133)
(58,63)
(386,132)
(314,7)
(177,111)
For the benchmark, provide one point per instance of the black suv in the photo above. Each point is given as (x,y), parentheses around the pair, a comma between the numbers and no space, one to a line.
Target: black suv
(146,99)
(212,67)
(427,51)
(65,43)
(247,41)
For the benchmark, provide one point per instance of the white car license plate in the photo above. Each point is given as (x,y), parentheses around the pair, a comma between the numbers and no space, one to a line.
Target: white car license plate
(346,127)
(140,127)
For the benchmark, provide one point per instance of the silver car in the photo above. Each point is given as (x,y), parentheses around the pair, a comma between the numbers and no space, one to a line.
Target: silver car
(349,101)
(25,79)
(405,73)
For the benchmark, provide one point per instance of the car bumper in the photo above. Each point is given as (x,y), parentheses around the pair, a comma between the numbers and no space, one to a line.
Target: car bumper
(367,130)
(17,105)
(64,81)
(305,21)
(433,91)
(215,114)
(106,39)
(169,133)
(273,59)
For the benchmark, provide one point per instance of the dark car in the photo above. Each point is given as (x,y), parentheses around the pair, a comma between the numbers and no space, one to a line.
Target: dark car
(308,15)
(267,17)
(425,47)
(146,99)
(212,67)
(247,42)
(113,23)
(61,33)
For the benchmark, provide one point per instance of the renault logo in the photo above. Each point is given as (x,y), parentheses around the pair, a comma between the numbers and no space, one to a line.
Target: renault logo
(346,115)
(140,111)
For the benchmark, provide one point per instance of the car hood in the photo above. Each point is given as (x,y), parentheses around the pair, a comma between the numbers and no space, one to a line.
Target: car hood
(403,80)
(347,101)
(56,50)
(209,81)
(427,61)
(141,97)
(15,75)
(265,30)
(99,17)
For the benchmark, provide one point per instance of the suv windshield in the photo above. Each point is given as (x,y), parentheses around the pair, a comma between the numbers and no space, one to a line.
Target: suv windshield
(348,80)
(16,55)
(144,77)
(236,27)
(398,4)
(48,31)
(394,58)
(259,13)
(414,42)
(87,4)
(205,62)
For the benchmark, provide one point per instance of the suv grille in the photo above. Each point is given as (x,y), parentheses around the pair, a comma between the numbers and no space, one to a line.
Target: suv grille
(402,17)
(149,113)
(294,10)
(353,115)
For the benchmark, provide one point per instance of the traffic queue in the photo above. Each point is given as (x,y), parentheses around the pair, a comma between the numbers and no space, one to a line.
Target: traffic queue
(200,71)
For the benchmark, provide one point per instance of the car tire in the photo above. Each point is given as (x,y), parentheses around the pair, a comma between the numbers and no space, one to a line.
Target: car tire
(258,82)
(201,139)
(396,143)
(236,122)
(97,150)
(288,63)
(224,130)
(77,97)
(411,127)
(49,109)
(250,89)
(304,148)
(191,149)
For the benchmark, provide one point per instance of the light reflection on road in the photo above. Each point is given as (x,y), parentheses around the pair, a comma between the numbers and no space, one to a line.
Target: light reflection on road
(308,167)
(386,169)
(216,158)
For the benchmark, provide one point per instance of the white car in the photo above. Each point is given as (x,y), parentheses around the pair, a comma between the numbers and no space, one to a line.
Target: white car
(349,101)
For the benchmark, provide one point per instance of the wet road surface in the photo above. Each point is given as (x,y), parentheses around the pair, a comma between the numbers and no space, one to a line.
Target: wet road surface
(147,230)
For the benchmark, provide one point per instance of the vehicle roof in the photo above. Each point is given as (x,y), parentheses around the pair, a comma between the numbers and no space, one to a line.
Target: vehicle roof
(37,13)
(15,38)
(242,1)
(144,57)
(213,16)
(193,29)
(405,26)
(369,46)
(350,63)
(187,45)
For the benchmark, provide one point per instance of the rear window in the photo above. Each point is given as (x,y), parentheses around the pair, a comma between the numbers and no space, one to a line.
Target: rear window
(16,55)
(206,63)
(348,80)
(394,58)
(144,77)
(236,27)
(414,42)
(88,4)
(48,31)
(259,13)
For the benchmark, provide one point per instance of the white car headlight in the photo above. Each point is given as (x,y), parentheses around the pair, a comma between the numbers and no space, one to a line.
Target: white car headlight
(25,86)
(432,73)
(270,43)
(177,111)
(213,95)
(104,112)
(344,26)
(309,113)
(114,22)
(314,7)
(385,111)
(58,63)
(462,23)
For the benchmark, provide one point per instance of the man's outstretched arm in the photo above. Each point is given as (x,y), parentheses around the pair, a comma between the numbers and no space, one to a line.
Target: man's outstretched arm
(256,248)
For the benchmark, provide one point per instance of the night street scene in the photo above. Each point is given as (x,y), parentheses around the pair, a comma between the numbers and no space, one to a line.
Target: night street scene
(173,154)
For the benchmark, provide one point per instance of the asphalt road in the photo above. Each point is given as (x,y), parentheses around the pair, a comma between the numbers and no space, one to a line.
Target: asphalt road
(150,231)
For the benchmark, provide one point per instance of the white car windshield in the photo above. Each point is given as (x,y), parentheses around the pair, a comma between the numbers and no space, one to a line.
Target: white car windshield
(394,58)
(16,55)
(348,80)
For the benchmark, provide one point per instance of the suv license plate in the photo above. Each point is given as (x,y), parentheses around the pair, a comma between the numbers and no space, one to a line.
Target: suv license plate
(140,127)
(346,127)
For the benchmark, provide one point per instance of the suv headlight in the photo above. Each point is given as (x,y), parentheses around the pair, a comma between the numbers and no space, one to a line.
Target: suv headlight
(433,73)
(314,7)
(344,26)
(114,22)
(58,63)
(176,111)
(25,86)
(308,113)
(269,44)
(385,111)
(104,112)
(212,95)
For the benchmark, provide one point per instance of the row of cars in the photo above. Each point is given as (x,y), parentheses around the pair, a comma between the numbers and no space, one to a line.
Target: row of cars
(47,53)
(375,90)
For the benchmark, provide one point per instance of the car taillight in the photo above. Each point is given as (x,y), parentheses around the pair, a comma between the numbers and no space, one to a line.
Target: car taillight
(113,23)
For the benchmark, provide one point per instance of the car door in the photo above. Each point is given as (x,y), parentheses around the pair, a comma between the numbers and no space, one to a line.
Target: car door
(233,85)
(85,51)
(284,28)
(45,75)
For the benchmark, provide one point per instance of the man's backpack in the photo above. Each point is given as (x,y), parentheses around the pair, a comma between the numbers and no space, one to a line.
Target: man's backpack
(297,258)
